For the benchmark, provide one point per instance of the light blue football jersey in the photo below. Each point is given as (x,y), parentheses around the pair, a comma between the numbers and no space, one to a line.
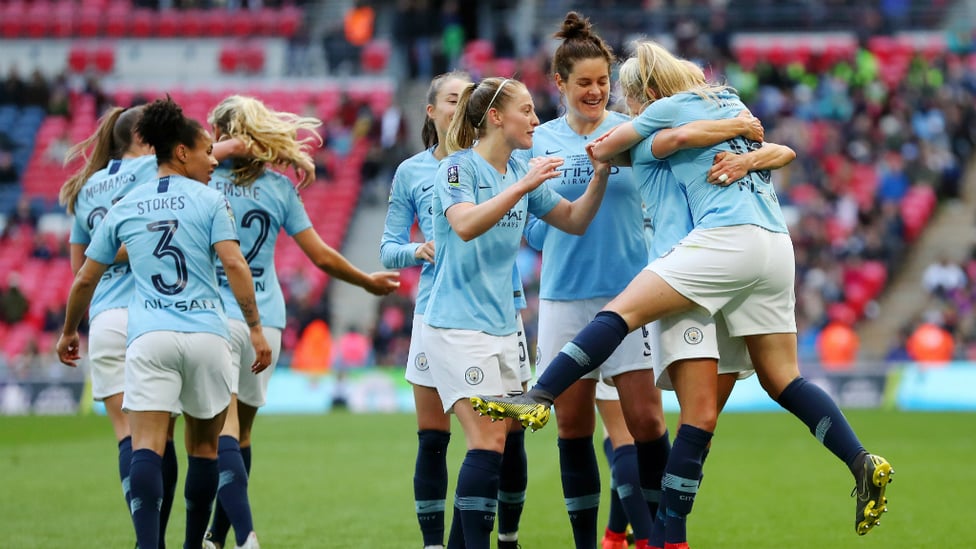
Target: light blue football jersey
(749,201)
(262,209)
(104,188)
(169,227)
(410,198)
(473,281)
(602,261)
(665,204)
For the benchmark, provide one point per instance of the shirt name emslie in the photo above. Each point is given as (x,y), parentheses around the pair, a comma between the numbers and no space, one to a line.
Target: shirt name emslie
(230,189)
(183,306)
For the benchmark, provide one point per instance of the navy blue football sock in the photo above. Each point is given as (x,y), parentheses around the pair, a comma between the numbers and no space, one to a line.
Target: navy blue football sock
(704,457)
(246,456)
(581,487)
(171,476)
(475,500)
(125,463)
(456,537)
(820,413)
(514,477)
(617,520)
(629,492)
(588,350)
(202,476)
(652,458)
(430,484)
(660,522)
(232,488)
(146,492)
(681,479)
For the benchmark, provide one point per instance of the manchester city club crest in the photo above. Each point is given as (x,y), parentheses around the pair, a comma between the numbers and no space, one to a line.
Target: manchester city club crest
(421,362)
(693,336)
(474,375)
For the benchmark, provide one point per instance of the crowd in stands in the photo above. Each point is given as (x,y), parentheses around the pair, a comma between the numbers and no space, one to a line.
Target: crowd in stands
(876,150)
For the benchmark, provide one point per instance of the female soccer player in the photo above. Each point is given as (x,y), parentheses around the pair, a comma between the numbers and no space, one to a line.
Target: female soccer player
(692,336)
(116,160)
(263,202)
(579,275)
(410,198)
(178,357)
(482,196)
(741,237)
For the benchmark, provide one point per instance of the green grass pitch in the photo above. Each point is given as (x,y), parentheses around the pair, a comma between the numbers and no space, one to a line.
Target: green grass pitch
(344,480)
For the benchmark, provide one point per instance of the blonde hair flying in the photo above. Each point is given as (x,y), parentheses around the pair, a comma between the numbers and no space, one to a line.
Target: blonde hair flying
(270,137)
(652,67)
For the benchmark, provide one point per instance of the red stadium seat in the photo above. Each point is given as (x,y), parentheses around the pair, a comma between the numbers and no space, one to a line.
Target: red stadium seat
(229,58)
(78,59)
(104,59)
(288,20)
(242,23)
(62,25)
(214,23)
(375,56)
(38,24)
(12,15)
(142,23)
(252,58)
(89,23)
(116,22)
(191,23)
(167,23)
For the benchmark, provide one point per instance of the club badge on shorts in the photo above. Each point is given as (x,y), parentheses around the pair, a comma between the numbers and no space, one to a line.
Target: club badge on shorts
(474,375)
(693,336)
(421,362)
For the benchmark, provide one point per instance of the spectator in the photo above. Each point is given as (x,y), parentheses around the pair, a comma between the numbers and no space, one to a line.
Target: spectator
(13,302)
(943,276)
(37,92)
(57,149)
(8,172)
(356,32)
(353,351)
(13,90)
(23,220)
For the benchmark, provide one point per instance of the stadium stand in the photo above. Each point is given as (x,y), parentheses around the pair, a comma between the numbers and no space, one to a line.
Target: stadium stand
(881,122)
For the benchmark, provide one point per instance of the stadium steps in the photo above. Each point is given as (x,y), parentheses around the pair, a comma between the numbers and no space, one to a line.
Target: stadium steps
(351,305)
(905,298)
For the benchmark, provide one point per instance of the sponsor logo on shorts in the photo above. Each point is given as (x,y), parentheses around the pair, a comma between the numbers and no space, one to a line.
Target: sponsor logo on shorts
(421,362)
(693,336)
(474,375)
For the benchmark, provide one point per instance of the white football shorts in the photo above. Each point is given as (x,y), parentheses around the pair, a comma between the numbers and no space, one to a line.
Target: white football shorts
(560,321)
(744,271)
(465,363)
(106,352)
(178,372)
(695,334)
(418,368)
(251,388)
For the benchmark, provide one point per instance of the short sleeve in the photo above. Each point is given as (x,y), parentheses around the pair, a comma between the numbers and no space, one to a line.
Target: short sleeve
(104,241)
(542,200)
(296,218)
(79,233)
(223,225)
(657,116)
(455,182)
